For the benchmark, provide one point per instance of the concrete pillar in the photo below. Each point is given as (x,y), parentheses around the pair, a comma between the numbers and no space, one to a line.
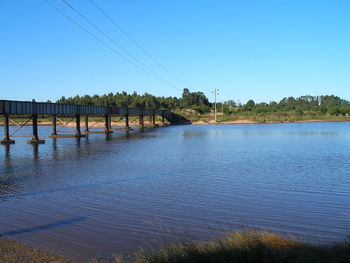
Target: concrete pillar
(110,121)
(163,121)
(54,125)
(141,123)
(127,121)
(127,118)
(35,127)
(154,118)
(35,139)
(86,124)
(107,128)
(7,139)
(77,125)
(6,128)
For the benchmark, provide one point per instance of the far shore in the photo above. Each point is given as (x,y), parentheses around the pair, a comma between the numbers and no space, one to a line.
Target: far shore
(266,122)
(101,124)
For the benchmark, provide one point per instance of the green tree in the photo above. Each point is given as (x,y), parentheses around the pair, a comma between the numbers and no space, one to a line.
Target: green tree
(249,106)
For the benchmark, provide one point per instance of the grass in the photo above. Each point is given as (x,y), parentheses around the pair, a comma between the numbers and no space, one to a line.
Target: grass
(235,247)
(287,116)
(246,247)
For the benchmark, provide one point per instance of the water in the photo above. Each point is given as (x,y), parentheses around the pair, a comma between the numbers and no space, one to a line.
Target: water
(136,190)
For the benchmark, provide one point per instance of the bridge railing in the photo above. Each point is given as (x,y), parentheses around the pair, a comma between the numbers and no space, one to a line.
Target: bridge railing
(8,107)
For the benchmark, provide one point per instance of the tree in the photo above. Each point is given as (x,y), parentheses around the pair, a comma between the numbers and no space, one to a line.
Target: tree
(249,106)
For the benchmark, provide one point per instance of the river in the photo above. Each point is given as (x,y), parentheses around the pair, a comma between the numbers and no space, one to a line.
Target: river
(99,195)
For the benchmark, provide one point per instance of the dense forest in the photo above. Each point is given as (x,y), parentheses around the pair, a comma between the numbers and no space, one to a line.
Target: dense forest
(198,102)
(189,100)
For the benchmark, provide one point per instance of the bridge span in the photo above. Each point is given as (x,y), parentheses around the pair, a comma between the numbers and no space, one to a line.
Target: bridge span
(34,110)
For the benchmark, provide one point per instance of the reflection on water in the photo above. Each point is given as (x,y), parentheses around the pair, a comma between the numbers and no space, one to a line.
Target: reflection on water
(127,190)
(190,134)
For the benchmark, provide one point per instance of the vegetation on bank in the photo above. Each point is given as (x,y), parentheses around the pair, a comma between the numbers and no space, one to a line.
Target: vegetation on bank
(196,106)
(236,247)
(247,247)
(288,116)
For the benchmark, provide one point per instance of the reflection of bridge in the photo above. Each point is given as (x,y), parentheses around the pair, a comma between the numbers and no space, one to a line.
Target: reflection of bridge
(55,110)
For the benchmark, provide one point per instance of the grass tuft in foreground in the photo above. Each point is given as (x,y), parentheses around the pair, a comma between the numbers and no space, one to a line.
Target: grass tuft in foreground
(247,247)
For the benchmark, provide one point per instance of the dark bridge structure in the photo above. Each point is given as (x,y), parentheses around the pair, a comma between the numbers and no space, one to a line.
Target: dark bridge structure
(33,110)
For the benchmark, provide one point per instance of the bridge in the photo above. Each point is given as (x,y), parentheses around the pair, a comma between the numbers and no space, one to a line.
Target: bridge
(35,110)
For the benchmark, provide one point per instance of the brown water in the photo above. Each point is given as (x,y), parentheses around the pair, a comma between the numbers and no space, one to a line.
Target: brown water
(146,189)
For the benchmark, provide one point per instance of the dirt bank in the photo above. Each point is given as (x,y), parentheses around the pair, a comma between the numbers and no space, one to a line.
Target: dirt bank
(256,122)
(14,252)
(224,122)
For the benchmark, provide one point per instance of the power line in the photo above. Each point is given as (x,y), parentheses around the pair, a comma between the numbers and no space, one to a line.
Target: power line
(117,44)
(121,29)
(108,46)
(91,34)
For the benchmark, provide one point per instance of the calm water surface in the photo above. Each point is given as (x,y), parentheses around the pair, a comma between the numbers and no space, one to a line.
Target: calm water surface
(145,189)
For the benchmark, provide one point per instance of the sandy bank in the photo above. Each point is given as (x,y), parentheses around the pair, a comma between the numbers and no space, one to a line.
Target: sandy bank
(101,124)
(14,252)
(224,122)
(267,122)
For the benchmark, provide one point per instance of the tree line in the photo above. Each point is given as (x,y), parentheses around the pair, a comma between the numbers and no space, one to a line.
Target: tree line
(330,104)
(197,101)
(189,100)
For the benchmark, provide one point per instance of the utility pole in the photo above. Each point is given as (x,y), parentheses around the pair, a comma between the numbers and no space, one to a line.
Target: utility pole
(216,92)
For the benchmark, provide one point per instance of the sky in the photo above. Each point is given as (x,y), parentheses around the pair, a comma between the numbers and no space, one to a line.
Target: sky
(263,50)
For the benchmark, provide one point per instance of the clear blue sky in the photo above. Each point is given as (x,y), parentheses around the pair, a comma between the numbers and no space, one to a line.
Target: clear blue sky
(263,50)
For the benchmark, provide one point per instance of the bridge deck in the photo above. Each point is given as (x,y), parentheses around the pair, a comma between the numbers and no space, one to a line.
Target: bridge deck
(8,107)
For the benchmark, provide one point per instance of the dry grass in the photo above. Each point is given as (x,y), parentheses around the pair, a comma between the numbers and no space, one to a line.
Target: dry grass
(246,247)
(240,247)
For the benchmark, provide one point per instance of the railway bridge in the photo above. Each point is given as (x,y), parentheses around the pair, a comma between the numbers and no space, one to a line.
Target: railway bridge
(34,110)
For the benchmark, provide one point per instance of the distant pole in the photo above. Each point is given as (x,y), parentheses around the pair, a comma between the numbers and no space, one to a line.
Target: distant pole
(215,104)
(222,106)
(216,92)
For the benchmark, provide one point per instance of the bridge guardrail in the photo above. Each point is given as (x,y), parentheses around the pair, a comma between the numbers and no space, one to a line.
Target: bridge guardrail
(8,107)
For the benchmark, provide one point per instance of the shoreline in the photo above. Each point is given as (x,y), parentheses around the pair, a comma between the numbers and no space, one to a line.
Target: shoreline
(211,122)
(237,246)
(101,124)
(12,251)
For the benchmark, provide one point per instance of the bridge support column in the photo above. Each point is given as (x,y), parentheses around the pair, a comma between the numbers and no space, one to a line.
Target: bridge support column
(7,139)
(77,125)
(110,122)
(35,139)
(163,120)
(86,130)
(107,124)
(127,121)
(141,123)
(54,125)
(154,119)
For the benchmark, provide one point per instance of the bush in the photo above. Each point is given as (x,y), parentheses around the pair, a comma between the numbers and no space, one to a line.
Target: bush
(333,111)
(201,109)
(299,111)
(345,110)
